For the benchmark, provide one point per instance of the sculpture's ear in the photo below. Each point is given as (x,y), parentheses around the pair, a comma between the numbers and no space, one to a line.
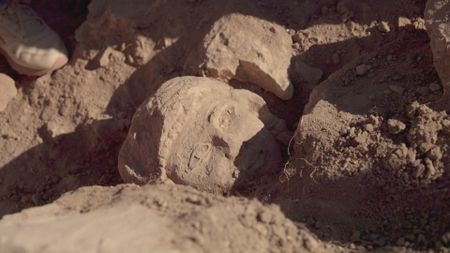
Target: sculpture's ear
(256,103)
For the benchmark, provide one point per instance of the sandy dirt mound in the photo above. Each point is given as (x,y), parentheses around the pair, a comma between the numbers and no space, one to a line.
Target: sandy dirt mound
(158,219)
(368,150)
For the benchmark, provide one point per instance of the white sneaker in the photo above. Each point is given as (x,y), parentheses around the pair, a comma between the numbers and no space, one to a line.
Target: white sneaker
(30,46)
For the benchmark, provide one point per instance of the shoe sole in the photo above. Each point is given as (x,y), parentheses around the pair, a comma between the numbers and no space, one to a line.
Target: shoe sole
(34,72)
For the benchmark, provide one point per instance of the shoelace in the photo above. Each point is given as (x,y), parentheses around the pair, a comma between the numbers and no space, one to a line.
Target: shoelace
(19,20)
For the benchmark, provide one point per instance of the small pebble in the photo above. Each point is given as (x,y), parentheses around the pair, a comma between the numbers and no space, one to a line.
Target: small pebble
(435,154)
(383,26)
(419,24)
(403,21)
(369,128)
(435,87)
(446,125)
(362,69)
(104,58)
(395,126)
(425,147)
(374,120)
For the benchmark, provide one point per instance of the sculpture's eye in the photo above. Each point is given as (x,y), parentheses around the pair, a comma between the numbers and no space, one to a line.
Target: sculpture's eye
(200,155)
(223,117)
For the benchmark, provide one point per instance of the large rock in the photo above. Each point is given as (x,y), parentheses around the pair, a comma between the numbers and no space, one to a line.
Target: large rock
(163,218)
(437,16)
(201,132)
(248,49)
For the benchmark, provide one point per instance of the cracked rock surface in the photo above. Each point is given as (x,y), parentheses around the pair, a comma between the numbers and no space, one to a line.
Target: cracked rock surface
(248,49)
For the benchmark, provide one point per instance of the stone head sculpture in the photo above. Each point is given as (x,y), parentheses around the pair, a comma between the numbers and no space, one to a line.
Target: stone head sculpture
(201,132)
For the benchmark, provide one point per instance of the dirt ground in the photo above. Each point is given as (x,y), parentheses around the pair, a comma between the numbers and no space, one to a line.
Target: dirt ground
(366,170)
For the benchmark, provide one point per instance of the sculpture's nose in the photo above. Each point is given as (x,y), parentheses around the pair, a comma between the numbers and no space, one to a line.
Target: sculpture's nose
(249,127)
(229,144)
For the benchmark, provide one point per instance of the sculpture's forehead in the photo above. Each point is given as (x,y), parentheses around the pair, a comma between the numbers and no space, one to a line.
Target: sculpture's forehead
(196,94)
(193,87)
(211,90)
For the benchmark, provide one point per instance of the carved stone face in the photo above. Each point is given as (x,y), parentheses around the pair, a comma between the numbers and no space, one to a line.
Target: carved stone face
(225,141)
(203,133)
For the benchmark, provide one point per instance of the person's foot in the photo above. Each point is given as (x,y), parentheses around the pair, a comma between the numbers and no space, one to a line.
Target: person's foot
(7,91)
(30,46)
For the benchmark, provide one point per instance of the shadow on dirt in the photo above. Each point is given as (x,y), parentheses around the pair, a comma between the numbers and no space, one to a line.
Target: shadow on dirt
(374,209)
(85,157)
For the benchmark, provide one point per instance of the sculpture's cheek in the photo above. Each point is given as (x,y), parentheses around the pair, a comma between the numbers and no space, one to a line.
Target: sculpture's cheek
(220,171)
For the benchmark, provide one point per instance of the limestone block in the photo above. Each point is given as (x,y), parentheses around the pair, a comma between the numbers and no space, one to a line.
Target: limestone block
(201,132)
(248,49)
